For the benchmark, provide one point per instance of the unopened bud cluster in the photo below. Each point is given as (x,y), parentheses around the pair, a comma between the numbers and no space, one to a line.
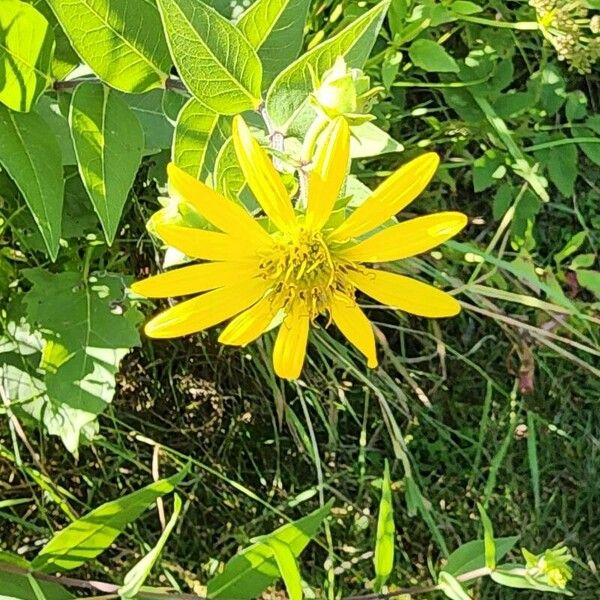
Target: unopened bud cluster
(573,32)
(551,567)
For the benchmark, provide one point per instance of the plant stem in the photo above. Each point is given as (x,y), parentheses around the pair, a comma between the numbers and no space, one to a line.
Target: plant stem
(519,25)
(68,84)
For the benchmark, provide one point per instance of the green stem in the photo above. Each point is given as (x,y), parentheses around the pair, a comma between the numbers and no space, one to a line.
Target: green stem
(519,25)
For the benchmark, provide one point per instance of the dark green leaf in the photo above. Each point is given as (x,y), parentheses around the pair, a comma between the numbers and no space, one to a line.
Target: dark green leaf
(431,56)
(471,556)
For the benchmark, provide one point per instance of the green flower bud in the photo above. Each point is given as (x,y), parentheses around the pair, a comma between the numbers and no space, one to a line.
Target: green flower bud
(344,91)
(551,567)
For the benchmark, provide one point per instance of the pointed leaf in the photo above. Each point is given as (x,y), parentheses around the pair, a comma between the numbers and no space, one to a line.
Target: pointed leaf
(88,536)
(32,157)
(26,51)
(288,568)
(471,556)
(199,135)
(251,571)
(108,141)
(275,29)
(288,94)
(386,531)
(122,42)
(432,57)
(489,547)
(214,59)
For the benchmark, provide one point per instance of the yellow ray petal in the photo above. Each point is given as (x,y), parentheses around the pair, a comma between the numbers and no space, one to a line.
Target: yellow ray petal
(262,177)
(215,208)
(330,165)
(208,245)
(408,238)
(404,293)
(355,326)
(194,279)
(396,192)
(249,325)
(290,345)
(206,310)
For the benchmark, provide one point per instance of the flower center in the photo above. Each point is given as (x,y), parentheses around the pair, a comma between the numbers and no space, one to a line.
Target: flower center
(302,269)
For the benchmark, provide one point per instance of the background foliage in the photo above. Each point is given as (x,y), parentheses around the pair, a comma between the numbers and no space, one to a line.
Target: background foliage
(497,406)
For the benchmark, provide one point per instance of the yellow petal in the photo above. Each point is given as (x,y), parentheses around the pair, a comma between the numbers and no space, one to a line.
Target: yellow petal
(206,310)
(396,192)
(404,293)
(290,345)
(263,179)
(408,238)
(198,243)
(330,165)
(194,279)
(249,325)
(215,208)
(355,326)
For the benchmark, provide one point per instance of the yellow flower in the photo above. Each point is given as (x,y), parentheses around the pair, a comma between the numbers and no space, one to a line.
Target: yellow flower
(301,266)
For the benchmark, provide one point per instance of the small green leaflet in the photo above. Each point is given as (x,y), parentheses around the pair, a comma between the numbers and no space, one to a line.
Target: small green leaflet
(136,577)
(199,135)
(32,157)
(287,96)
(88,536)
(108,141)
(122,42)
(275,28)
(451,587)
(202,43)
(26,51)
(251,571)
(384,546)
(431,56)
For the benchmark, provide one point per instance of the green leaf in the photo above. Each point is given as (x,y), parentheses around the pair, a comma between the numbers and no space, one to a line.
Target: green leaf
(52,112)
(451,587)
(574,243)
(288,94)
(369,140)
(122,42)
(26,51)
(228,177)
(590,149)
(432,57)
(471,556)
(251,571)
(288,568)
(199,135)
(65,58)
(88,536)
(16,586)
(214,59)
(135,578)
(32,157)
(275,29)
(561,162)
(515,576)
(88,326)
(108,141)
(383,558)
(463,7)
(590,280)
(489,547)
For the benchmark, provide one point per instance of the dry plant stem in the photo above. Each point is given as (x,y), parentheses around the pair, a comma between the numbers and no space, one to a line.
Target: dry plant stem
(110,590)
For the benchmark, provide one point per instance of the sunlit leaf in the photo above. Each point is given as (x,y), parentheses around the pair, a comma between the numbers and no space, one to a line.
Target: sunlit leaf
(471,555)
(386,532)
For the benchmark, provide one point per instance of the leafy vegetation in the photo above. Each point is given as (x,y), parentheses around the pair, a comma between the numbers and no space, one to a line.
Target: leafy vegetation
(465,465)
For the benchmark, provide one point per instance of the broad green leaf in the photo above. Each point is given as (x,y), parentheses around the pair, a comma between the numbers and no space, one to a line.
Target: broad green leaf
(136,577)
(275,29)
(590,280)
(26,51)
(16,586)
(432,57)
(288,568)
(32,157)
(65,58)
(515,576)
(574,243)
(369,140)
(451,587)
(383,558)
(108,141)
(463,7)
(288,94)
(121,41)
(489,547)
(88,326)
(199,135)
(215,61)
(251,571)
(51,111)
(471,556)
(88,536)
(561,162)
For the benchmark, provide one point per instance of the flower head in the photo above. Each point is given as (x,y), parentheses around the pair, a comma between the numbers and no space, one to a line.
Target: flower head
(299,265)
(551,567)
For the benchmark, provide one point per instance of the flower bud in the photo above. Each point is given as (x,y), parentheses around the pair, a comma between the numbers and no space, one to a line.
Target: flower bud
(551,567)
